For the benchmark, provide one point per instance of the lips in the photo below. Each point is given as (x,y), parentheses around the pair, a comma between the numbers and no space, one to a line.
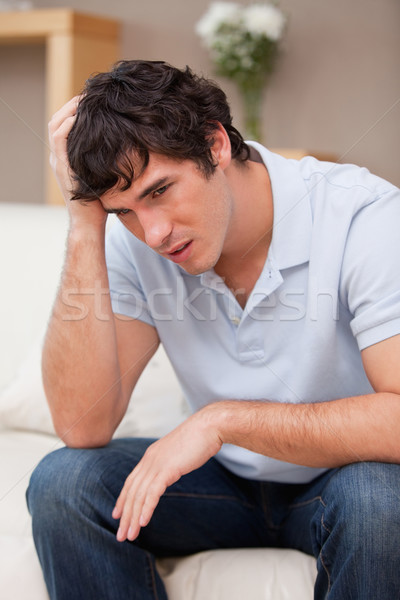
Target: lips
(180,253)
(179,249)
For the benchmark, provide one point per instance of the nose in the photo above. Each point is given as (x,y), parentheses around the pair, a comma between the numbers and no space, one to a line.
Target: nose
(156,227)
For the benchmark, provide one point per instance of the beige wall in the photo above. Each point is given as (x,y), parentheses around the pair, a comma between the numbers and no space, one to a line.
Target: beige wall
(22,128)
(337,87)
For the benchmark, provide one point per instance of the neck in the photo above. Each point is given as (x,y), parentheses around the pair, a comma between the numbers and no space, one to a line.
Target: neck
(249,236)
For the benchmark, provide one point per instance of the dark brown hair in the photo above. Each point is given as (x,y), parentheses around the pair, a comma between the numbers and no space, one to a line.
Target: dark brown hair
(141,107)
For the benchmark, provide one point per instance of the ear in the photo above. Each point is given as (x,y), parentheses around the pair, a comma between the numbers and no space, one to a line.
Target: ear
(221,149)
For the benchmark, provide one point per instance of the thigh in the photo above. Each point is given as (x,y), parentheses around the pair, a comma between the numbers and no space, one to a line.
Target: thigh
(206,509)
(349,519)
(355,493)
(357,533)
(296,509)
(361,505)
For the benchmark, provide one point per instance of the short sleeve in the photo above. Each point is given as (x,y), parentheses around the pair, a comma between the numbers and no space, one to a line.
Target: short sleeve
(370,277)
(122,253)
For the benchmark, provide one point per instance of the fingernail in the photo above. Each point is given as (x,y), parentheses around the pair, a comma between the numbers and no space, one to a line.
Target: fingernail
(115,513)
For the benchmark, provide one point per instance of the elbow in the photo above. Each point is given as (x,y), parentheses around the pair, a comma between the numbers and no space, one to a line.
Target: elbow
(82,438)
(78,427)
(84,441)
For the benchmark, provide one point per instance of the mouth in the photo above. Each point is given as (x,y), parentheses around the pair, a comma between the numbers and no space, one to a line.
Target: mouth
(180,253)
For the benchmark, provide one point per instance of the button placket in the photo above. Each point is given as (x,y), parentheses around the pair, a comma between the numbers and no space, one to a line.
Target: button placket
(250,337)
(233,310)
(235,320)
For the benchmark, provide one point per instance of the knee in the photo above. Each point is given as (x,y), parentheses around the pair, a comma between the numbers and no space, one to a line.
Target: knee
(51,480)
(70,481)
(59,483)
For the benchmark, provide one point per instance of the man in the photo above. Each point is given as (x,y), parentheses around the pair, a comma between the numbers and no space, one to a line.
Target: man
(274,287)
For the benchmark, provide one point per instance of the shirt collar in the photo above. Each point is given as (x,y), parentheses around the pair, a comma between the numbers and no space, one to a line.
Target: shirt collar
(292,225)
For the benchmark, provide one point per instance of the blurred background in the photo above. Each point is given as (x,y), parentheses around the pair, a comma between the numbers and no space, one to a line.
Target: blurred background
(336,87)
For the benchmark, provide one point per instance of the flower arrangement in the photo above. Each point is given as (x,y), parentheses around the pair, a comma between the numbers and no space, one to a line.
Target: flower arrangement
(244,45)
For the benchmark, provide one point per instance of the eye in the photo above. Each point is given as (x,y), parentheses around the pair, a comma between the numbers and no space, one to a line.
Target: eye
(123,211)
(161,190)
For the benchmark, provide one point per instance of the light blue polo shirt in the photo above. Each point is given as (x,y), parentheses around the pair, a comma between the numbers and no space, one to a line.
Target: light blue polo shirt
(329,288)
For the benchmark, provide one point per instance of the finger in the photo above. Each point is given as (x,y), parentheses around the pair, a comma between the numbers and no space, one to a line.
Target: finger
(124,507)
(141,499)
(65,127)
(120,502)
(149,506)
(145,501)
(58,138)
(129,523)
(133,510)
(58,154)
(69,109)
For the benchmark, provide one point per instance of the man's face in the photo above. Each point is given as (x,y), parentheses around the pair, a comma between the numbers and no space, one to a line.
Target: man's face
(177,211)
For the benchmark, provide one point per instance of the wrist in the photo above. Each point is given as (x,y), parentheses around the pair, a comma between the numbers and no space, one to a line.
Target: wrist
(83,231)
(237,421)
(87,216)
(215,417)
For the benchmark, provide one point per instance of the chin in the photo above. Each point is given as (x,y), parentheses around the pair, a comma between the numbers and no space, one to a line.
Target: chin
(201,262)
(198,269)
(194,270)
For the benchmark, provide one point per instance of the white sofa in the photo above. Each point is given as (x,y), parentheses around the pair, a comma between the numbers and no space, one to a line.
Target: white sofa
(31,252)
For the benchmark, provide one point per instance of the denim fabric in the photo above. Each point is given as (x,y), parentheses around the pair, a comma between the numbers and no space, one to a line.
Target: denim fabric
(348,518)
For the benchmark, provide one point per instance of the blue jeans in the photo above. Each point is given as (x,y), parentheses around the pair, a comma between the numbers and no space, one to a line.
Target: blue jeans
(348,518)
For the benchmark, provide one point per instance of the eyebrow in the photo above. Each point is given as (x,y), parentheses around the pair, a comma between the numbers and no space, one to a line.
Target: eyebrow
(153,187)
(112,211)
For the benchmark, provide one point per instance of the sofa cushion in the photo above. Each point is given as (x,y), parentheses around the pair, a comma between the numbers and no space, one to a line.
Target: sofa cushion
(157,404)
(32,245)
(256,573)
(21,576)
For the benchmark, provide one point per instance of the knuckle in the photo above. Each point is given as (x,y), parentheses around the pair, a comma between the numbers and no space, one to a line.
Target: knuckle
(138,495)
(156,489)
(130,478)
(149,452)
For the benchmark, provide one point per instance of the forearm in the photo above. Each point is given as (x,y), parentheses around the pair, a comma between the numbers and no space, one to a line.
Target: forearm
(80,361)
(327,434)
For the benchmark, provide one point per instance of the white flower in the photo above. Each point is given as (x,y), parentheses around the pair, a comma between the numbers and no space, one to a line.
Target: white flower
(243,40)
(218,14)
(264,19)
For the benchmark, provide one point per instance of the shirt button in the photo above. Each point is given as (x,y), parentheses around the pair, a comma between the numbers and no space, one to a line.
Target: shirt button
(235,320)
